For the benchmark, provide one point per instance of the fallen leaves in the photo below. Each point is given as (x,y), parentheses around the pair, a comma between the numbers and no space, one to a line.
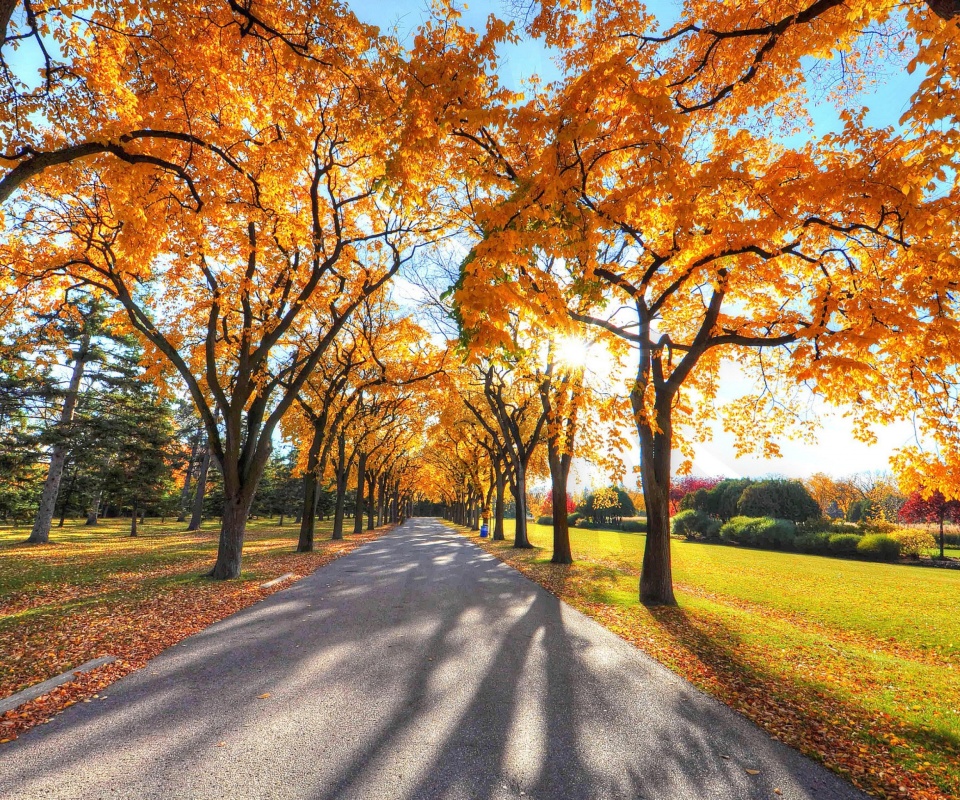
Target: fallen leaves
(134,619)
(876,752)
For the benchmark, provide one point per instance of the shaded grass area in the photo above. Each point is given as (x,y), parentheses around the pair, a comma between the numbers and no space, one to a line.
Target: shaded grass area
(856,664)
(96,591)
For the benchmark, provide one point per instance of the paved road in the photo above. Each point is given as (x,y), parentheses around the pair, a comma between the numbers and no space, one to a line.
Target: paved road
(418,666)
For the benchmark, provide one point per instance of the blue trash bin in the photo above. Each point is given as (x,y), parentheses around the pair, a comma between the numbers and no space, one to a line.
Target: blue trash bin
(484,530)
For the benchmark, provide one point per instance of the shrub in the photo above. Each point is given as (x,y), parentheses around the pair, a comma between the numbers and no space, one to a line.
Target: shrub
(879,547)
(844,544)
(776,534)
(720,501)
(813,543)
(633,526)
(778,498)
(822,525)
(766,532)
(573,519)
(692,523)
(914,541)
(546,520)
(735,529)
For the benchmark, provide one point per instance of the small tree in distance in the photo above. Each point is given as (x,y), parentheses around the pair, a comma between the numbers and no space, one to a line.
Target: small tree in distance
(935,508)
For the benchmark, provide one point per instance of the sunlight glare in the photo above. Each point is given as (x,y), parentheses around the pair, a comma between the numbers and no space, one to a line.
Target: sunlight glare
(572,351)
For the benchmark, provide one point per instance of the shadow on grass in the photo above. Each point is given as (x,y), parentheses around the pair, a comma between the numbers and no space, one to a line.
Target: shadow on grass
(804,714)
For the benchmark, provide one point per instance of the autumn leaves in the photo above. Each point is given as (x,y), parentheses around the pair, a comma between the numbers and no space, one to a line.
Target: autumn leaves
(244,182)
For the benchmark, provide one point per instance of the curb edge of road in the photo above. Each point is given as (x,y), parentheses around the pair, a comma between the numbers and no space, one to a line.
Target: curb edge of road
(44,687)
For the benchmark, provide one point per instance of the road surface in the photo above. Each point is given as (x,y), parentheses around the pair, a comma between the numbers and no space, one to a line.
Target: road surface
(418,666)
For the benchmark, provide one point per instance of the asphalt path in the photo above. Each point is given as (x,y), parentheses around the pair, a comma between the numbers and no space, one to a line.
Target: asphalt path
(417,666)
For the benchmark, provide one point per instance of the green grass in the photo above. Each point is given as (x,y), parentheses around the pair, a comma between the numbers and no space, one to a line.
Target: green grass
(869,639)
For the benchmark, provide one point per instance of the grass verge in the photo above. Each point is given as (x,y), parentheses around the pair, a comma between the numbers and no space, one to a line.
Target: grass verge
(855,664)
(96,591)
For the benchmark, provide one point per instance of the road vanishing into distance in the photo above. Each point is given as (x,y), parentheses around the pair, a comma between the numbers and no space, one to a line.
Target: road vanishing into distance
(417,666)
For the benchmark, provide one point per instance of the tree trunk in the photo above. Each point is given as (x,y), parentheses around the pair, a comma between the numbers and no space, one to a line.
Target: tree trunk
(311,493)
(498,534)
(185,492)
(361,484)
(520,499)
(280,523)
(236,509)
(93,515)
(341,488)
(559,472)
(371,495)
(942,543)
(197,516)
(656,574)
(58,457)
(381,500)
(133,521)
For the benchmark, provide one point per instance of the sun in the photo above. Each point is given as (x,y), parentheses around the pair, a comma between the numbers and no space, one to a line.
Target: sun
(572,351)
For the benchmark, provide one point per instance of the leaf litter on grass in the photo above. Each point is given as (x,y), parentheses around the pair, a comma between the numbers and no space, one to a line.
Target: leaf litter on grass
(876,751)
(150,610)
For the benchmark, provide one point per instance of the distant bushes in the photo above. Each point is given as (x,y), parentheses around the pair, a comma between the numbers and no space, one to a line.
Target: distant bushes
(878,547)
(779,499)
(770,533)
(914,541)
(766,532)
(545,520)
(695,524)
(843,544)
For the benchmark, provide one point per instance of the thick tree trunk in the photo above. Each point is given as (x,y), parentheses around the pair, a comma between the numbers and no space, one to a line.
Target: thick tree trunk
(382,500)
(498,533)
(133,522)
(338,508)
(520,499)
(197,516)
(341,471)
(51,487)
(233,527)
(93,515)
(371,495)
(185,491)
(311,493)
(280,522)
(474,513)
(361,485)
(656,574)
(559,472)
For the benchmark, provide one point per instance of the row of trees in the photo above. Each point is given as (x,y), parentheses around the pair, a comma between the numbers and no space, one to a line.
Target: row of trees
(240,183)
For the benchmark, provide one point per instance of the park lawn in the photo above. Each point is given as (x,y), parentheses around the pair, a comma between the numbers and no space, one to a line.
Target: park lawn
(856,664)
(97,591)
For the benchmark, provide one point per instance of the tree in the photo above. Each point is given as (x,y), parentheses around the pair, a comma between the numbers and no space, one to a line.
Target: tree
(778,498)
(322,216)
(642,192)
(688,484)
(932,508)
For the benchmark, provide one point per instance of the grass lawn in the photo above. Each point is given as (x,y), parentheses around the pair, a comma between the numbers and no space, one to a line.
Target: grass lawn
(855,663)
(96,591)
